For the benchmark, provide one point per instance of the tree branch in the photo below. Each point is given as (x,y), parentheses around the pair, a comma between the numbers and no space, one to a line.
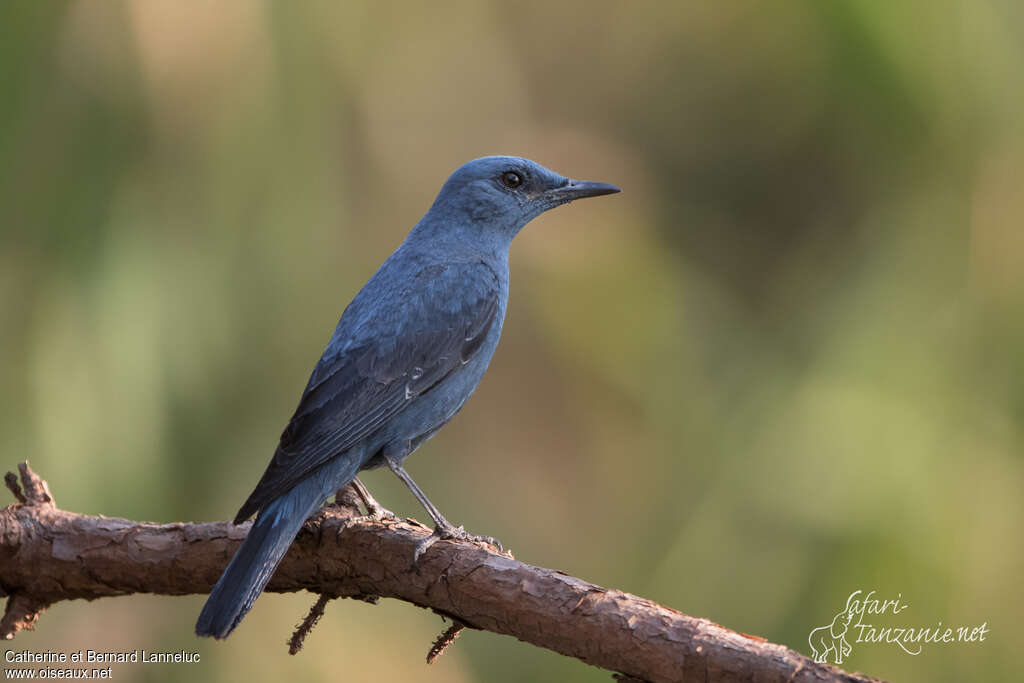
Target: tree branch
(48,555)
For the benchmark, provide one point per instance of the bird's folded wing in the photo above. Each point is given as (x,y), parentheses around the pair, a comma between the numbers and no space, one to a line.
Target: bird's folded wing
(435,325)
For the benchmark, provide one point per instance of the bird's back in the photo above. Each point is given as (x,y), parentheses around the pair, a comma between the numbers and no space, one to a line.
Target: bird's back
(408,351)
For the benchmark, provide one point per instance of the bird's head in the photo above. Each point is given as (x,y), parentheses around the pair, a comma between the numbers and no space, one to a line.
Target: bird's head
(502,194)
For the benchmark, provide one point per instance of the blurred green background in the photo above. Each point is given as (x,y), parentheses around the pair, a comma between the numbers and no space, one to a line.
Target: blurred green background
(785,364)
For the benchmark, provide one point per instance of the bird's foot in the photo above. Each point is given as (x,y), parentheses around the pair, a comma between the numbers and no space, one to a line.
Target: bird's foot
(372,518)
(374,514)
(451,533)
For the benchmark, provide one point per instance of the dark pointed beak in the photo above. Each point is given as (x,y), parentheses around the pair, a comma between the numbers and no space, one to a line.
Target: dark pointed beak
(578,189)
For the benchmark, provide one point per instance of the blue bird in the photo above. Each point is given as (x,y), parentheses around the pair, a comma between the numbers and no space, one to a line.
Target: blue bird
(408,351)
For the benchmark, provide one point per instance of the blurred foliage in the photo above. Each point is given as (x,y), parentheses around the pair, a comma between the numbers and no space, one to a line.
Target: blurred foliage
(786,363)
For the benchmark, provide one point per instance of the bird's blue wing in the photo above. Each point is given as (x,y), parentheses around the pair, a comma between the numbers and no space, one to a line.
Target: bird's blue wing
(432,325)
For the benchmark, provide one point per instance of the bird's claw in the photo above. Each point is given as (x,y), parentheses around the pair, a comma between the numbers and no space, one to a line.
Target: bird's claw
(378,513)
(451,533)
(373,515)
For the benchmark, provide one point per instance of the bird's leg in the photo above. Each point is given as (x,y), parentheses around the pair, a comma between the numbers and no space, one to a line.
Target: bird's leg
(443,529)
(374,510)
(439,520)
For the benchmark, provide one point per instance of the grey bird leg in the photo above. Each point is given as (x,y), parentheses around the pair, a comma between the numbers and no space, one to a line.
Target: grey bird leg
(374,510)
(443,529)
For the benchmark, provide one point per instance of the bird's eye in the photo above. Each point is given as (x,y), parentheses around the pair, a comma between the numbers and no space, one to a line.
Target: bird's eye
(511,179)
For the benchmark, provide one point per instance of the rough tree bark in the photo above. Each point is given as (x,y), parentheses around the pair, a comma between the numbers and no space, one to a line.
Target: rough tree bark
(48,554)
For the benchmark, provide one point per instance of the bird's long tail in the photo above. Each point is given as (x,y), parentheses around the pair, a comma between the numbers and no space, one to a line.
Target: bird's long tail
(262,550)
